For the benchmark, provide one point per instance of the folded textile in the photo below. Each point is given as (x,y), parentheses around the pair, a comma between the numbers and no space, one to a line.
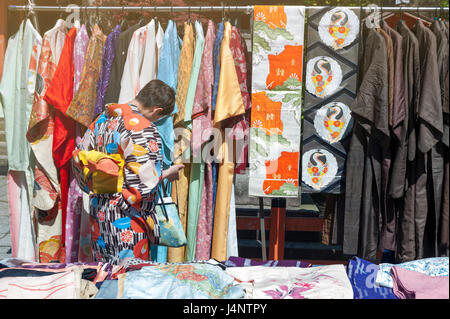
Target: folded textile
(435,266)
(362,274)
(108,290)
(322,282)
(60,285)
(245,262)
(180,281)
(20,272)
(409,284)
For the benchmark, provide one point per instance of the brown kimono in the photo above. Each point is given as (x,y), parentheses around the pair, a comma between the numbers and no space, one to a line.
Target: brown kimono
(429,153)
(406,244)
(441,207)
(370,139)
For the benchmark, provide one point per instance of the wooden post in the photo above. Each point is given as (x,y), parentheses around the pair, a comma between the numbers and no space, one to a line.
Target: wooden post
(277,228)
(262,229)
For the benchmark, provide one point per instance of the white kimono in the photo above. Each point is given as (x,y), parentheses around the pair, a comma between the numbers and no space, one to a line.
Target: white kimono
(141,65)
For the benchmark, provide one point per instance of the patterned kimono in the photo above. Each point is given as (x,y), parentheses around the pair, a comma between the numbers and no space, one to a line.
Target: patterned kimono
(46,200)
(122,223)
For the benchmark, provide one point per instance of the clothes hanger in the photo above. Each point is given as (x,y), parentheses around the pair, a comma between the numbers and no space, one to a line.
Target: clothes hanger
(155,16)
(189,15)
(199,12)
(142,20)
(236,19)
(123,20)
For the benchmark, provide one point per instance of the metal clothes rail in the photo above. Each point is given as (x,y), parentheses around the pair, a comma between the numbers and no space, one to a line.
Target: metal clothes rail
(246,9)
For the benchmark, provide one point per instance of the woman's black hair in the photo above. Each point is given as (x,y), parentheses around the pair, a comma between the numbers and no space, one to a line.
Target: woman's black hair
(159,94)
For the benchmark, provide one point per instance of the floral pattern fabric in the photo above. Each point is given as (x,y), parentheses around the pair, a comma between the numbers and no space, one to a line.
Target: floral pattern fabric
(436,266)
(180,281)
(80,46)
(109,51)
(321,282)
(241,127)
(81,108)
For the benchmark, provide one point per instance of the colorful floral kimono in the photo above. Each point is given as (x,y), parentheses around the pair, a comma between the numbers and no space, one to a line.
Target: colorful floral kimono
(46,199)
(119,161)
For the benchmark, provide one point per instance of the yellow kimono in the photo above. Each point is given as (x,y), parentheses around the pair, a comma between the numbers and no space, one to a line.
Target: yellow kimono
(229,104)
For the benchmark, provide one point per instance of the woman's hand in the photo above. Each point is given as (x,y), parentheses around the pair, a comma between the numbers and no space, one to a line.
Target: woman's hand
(172,173)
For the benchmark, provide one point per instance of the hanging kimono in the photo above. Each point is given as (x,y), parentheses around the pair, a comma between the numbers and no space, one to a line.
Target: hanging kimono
(405,206)
(180,188)
(109,51)
(79,53)
(81,108)
(201,130)
(16,98)
(370,136)
(167,72)
(197,168)
(239,131)
(395,177)
(77,223)
(430,157)
(46,200)
(59,95)
(142,60)
(229,104)
(120,57)
(444,239)
(241,128)
(216,64)
(442,147)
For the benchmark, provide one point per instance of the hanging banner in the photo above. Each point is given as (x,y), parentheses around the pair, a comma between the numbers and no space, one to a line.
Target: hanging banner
(276,101)
(331,84)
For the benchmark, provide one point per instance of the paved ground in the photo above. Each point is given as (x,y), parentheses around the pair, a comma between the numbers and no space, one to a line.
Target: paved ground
(5,238)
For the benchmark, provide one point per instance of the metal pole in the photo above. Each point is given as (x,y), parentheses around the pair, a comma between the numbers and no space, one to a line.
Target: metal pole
(246,9)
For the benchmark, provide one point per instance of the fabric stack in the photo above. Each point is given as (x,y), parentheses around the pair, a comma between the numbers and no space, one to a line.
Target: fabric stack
(419,279)
(236,278)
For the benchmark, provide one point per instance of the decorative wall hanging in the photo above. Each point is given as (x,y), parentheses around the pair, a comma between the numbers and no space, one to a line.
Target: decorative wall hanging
(331,84)
(276,101)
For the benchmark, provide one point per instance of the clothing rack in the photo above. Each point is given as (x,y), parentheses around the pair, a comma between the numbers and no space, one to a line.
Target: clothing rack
(247,9)
(277,223)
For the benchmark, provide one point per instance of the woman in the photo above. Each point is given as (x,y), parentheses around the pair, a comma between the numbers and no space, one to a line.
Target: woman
(119,162)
